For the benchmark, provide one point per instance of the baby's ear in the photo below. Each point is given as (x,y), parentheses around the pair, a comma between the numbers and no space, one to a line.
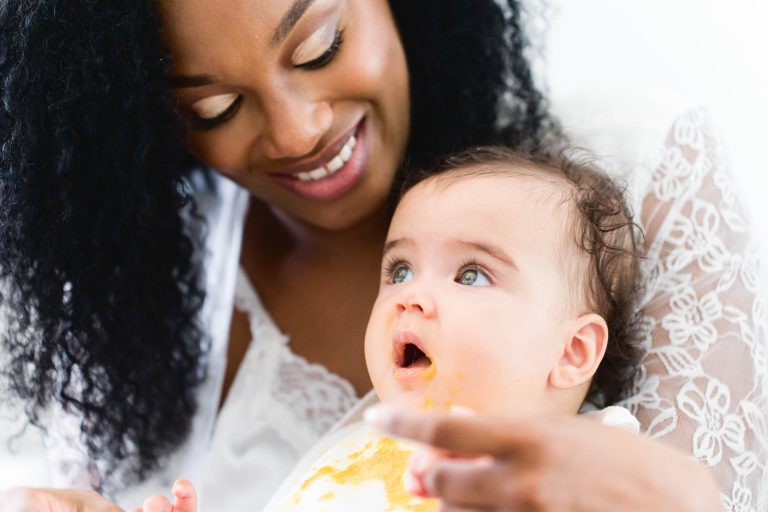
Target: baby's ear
(583,349)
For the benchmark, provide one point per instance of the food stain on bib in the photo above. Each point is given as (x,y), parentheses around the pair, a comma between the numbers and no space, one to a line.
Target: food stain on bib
(387,464)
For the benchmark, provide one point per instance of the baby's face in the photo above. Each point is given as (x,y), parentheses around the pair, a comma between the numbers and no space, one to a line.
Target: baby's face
(472,304)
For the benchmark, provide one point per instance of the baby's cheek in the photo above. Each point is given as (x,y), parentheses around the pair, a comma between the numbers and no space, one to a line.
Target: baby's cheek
(469,379)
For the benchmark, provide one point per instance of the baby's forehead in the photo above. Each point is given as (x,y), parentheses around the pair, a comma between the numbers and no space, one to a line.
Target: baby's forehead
(515,197)
(492,183)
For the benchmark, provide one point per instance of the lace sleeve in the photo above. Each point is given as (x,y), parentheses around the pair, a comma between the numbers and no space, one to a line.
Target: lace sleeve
(704,376)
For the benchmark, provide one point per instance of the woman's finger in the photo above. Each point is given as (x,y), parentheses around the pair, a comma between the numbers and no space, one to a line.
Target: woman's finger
(458,434)
(186,496)
(448,507)
(477,482)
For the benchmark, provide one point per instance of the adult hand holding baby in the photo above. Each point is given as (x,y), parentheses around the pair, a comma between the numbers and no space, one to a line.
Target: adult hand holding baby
(547,463)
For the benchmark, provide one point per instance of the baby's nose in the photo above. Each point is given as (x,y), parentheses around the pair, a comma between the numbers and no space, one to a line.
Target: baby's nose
(417,302)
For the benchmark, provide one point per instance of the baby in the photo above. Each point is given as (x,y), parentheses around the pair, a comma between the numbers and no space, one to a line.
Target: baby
(508,287)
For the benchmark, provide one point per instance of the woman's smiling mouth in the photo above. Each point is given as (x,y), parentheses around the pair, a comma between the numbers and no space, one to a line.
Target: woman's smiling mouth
(332,175)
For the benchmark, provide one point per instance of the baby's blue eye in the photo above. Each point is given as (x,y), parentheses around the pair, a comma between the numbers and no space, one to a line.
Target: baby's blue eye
(402,274)
(473,277)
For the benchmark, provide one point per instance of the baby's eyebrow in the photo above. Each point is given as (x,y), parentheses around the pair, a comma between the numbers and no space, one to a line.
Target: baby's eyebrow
(392,244)
(489,249)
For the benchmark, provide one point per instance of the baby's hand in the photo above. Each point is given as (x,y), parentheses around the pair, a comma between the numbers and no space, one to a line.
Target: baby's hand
(185,500)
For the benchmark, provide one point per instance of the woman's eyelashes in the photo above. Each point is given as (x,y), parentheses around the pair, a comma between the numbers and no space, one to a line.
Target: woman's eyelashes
(212,111)
(324,58)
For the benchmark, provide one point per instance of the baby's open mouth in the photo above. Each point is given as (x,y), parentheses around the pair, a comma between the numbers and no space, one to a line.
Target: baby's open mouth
(413,356)
(408,351)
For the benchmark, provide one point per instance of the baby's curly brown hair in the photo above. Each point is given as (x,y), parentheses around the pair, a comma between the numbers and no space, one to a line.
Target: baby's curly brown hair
(603,228)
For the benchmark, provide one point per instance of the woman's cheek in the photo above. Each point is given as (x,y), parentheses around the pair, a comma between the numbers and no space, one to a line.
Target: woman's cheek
(222,148)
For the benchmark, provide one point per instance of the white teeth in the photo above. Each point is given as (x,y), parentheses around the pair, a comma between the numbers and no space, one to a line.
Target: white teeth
(334,165)
(346,152)
(318,173)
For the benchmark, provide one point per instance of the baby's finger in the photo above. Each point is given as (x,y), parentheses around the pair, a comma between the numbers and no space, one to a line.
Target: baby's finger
(157,503)
(186,496)
(135,509)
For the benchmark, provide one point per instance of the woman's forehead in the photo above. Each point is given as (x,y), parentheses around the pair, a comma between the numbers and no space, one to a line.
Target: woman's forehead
(195,24)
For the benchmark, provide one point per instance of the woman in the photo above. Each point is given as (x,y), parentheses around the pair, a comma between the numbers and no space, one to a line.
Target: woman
(310,106)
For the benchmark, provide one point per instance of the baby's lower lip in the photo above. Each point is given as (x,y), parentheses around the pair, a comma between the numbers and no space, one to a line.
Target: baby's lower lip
(414,374)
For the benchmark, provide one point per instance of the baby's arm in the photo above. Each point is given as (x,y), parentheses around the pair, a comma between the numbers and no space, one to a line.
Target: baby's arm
(185,500)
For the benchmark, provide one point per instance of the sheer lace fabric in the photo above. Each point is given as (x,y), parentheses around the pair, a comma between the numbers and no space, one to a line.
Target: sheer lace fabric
(703,378)
(278,406)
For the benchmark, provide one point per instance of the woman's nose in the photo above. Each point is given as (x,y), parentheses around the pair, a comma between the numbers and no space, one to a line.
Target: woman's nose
(294,125)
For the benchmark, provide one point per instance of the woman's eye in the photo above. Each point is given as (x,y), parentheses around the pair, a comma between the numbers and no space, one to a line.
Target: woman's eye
(214,110)
(319,49)
(401,274)
(473,277)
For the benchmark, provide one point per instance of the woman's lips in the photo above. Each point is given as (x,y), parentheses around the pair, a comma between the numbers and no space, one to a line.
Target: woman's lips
(327,181)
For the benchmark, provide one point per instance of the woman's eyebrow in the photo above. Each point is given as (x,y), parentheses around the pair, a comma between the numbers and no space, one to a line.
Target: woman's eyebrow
(290,19)
(187,81)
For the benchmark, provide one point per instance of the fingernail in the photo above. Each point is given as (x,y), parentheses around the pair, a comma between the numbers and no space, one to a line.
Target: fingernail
(412,484)
(427,484)
(178,489)
(378,416)
(460,410)
(418,462)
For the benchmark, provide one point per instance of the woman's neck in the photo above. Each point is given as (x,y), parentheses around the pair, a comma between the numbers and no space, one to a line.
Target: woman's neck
(287,237)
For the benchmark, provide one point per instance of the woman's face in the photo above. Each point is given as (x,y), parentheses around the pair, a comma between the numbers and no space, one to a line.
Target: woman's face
(302,102)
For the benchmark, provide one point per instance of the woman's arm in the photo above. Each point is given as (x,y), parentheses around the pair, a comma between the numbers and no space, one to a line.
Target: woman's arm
(558,463)
(703,380)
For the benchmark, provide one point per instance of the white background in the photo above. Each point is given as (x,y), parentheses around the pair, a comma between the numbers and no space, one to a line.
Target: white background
(712,50)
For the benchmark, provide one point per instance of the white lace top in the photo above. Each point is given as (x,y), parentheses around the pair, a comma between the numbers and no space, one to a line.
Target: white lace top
(277,407)
(704,378)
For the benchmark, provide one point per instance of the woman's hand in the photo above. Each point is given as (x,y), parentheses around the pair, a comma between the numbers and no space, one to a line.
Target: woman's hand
(185,500)
(558,463)
(55,500)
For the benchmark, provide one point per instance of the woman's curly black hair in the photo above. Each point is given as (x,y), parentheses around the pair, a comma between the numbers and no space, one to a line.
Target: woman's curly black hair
(100,266)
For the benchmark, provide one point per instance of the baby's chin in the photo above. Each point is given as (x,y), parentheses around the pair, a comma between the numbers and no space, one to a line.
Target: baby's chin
(427,398)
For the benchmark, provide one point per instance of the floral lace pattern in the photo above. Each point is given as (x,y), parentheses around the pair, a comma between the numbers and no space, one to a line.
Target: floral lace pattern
(704,376)
(312,399)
